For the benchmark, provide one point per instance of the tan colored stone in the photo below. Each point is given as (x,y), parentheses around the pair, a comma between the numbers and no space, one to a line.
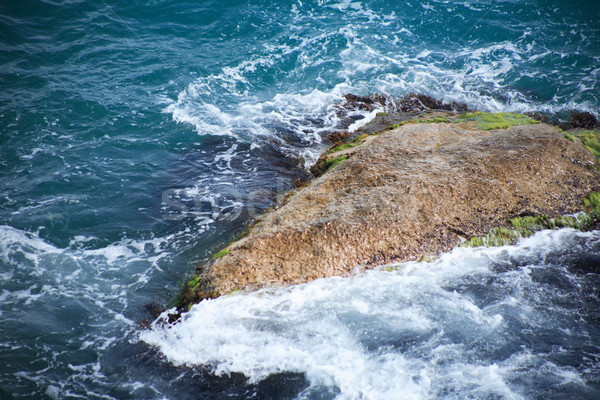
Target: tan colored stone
(416,190)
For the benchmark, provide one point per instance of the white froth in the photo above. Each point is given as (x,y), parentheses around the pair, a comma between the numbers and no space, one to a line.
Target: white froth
(350,58)
(348,333)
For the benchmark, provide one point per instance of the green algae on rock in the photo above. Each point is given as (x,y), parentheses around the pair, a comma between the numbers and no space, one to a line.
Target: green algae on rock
(221,254)
(522,227)
(591,141)
(193,282)
(345,146)
(332,163)
(592,204)
(432,120)
(487,121)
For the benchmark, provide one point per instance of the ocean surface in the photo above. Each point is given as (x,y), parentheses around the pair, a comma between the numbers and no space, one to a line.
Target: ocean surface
(137,138)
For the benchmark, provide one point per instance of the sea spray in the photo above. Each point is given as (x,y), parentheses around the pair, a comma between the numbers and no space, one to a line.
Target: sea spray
(472,324)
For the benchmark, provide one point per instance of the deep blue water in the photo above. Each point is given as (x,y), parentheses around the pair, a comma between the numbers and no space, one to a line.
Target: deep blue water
(136,138)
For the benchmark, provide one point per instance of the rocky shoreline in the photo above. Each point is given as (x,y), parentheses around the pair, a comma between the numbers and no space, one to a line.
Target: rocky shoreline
(421,186)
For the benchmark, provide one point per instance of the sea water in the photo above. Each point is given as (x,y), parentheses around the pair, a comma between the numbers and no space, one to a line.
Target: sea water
(136,139)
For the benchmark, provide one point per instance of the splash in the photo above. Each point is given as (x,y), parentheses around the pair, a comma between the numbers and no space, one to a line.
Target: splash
(418,330)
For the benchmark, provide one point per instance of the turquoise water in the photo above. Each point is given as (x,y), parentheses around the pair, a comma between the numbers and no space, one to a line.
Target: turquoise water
(137,138)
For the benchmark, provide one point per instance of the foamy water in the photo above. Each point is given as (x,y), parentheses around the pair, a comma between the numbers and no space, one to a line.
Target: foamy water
(471,324)
(238,100)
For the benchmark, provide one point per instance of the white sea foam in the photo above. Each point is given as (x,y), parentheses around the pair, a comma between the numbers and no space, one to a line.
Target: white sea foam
(234,102)
(92,285)
(61,272)
(33,153)
(410,333)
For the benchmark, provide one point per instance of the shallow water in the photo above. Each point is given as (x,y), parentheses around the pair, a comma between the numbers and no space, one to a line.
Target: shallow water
(137,139)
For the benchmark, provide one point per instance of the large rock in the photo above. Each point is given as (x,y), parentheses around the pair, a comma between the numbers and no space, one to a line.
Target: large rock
(416,190)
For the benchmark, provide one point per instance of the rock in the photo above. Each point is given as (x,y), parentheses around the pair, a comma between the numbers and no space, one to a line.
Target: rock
(412,102)
(584,120)
(419,189)
(418,102)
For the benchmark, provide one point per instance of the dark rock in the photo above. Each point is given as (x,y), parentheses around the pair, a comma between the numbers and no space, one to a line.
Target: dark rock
(584,120)
(420,102)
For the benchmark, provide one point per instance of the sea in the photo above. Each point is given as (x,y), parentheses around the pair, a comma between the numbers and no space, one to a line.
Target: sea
(137,138)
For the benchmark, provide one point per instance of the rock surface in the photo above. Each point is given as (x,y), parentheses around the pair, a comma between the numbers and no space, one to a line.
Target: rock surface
(419,189)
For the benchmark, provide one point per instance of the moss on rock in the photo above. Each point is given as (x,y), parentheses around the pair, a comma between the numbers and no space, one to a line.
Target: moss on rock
(197,288)
(499,236)
(592,204)
(432,120)
(193,282)
(521,227)
(221,254)
(333,162)
(345,146)
(569,136)
(192,285)
(488,121)
(591,141)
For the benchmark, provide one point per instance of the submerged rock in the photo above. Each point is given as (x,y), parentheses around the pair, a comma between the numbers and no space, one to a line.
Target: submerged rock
(417,189)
